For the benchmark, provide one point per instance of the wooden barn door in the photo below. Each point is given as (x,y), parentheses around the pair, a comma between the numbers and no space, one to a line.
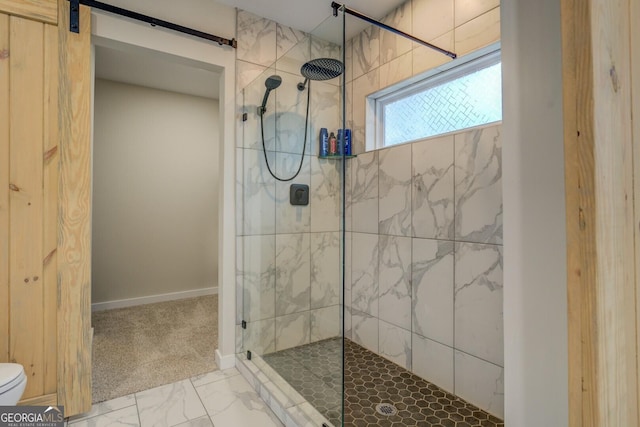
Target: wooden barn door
(44,212)
(74,222)
(28,196)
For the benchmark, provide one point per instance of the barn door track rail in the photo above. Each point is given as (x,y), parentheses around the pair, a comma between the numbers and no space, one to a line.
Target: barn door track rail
(74,25)
(337,6)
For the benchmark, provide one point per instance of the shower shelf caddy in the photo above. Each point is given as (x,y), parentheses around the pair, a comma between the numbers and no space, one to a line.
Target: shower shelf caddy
(338,156)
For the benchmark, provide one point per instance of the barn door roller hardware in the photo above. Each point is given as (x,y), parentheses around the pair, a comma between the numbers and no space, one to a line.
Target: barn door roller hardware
(74,20)
(74,25)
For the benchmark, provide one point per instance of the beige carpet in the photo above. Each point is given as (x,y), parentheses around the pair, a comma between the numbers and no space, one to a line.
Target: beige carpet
(142,347)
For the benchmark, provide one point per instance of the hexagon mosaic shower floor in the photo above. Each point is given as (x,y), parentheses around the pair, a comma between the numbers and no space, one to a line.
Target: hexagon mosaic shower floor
(314,371)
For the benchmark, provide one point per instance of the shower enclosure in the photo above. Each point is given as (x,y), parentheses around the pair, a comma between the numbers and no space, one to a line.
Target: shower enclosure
(324,281)
(290,256)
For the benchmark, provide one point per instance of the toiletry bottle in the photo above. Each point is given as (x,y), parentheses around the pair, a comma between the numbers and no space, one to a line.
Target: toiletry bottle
(347,142)
(340,148)
(324,143)
(333,145)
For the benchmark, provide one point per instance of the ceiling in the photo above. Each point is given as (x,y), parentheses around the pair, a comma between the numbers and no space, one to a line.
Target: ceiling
(151,70)
(135,68)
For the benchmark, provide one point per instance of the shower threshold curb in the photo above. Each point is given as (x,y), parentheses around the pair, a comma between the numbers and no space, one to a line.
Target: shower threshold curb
(290,407)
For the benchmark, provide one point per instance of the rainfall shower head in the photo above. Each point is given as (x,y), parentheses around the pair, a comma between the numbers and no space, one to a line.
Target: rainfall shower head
(320,69)
(272,82)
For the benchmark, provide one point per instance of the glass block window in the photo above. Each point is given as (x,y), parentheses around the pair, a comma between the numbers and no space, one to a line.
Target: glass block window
(466,96)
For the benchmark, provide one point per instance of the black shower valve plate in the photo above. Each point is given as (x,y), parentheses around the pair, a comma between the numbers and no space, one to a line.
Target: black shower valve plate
(299,194)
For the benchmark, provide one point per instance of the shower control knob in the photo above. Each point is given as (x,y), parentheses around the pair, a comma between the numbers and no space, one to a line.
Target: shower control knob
(299,194)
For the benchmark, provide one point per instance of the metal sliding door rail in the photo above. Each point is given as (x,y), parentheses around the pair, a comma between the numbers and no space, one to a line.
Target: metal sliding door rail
(74,25)
(338,6)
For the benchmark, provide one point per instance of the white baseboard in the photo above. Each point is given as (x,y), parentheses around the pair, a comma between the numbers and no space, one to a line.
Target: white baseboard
(130,302)
(225,362)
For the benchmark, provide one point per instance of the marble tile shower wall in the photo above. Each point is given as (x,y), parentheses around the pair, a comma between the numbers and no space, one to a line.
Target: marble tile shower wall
(288,257)
(424,287)
(376,58)
(424,220)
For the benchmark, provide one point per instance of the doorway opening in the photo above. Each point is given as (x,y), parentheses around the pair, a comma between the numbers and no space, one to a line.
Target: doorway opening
(155,220)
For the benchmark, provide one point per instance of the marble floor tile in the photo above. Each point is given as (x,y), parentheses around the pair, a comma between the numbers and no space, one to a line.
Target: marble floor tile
(213,377)
(227,396)
(104,407)
(169,405)
(122,417)
(198,422)
(232,402)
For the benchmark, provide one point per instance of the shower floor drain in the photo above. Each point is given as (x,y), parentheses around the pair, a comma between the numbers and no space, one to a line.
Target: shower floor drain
(386,409)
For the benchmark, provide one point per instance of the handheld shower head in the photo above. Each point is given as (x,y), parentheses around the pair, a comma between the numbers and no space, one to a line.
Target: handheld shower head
(320,69)
(272,82)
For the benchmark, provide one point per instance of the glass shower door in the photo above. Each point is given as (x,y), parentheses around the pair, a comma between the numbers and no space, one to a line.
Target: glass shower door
(290,236)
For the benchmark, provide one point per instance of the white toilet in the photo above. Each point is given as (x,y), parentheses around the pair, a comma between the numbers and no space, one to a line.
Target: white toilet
(12,383)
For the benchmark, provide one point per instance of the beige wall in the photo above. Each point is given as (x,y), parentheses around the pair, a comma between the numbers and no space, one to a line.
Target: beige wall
(155,192)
